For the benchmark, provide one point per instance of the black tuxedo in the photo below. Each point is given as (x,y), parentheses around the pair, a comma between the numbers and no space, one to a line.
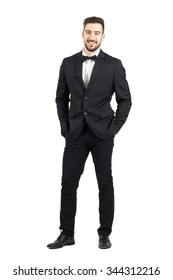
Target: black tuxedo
(92,104)
(89,125)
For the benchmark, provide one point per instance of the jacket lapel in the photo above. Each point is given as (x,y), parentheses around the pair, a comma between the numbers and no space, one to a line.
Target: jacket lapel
(78,65)
(97,66)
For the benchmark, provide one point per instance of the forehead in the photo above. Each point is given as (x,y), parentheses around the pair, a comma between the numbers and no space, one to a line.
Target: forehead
(94,27)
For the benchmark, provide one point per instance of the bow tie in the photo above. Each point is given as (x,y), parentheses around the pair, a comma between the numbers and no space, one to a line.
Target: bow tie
(84,58)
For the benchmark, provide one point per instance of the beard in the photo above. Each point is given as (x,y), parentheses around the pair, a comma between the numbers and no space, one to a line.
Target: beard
(90,49)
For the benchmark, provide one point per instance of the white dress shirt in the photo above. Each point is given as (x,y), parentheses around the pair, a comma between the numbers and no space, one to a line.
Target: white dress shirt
(87,67)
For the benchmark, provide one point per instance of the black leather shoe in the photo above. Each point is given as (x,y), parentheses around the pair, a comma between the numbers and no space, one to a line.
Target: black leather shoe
(61,241)
(104,242)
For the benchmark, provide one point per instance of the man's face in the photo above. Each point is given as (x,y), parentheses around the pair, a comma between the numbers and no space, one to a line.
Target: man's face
(92,36)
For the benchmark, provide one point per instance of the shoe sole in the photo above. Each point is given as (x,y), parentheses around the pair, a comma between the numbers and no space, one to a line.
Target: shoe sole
(105,247)
(68,243)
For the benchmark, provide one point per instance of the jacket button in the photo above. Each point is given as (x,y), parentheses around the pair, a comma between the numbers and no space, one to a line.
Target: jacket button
(85,113)
(86,97)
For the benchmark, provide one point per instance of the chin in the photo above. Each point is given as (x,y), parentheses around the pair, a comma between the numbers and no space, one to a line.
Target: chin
(92,50)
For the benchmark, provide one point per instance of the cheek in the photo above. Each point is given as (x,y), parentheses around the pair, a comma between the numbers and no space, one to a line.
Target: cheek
(98,40)
(86,38)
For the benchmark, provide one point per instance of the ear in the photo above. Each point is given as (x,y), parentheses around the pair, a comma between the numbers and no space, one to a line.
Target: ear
(82,34)
(103,36)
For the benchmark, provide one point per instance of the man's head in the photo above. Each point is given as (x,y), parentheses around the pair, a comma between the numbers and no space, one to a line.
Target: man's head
(93,33)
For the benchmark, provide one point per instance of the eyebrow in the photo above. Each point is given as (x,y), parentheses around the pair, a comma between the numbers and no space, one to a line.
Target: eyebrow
(87,30)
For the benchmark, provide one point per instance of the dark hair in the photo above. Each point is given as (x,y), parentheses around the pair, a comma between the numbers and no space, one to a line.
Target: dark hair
(94,20)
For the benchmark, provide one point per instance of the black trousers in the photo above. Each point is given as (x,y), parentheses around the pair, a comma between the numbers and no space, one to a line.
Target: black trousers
(75,155)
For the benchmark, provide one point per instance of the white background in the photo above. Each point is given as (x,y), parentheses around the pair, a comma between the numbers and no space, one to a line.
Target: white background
(35,37)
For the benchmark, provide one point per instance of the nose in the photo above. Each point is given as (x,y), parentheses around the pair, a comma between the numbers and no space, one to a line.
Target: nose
(91,36)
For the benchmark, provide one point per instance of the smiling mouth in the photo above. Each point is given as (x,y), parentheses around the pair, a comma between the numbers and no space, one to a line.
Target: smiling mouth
(91,43)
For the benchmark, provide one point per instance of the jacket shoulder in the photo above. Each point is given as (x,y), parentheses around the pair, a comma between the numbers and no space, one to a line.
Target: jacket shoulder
(111,58)
(74,56)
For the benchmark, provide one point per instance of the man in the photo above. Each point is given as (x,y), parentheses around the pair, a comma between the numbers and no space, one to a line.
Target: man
(87,82)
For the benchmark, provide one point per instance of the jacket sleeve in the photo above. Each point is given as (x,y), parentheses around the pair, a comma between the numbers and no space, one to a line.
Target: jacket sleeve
(62,100)
(123,96)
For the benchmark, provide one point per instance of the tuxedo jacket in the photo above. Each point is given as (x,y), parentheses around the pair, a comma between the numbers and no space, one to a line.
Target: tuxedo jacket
(77,104)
